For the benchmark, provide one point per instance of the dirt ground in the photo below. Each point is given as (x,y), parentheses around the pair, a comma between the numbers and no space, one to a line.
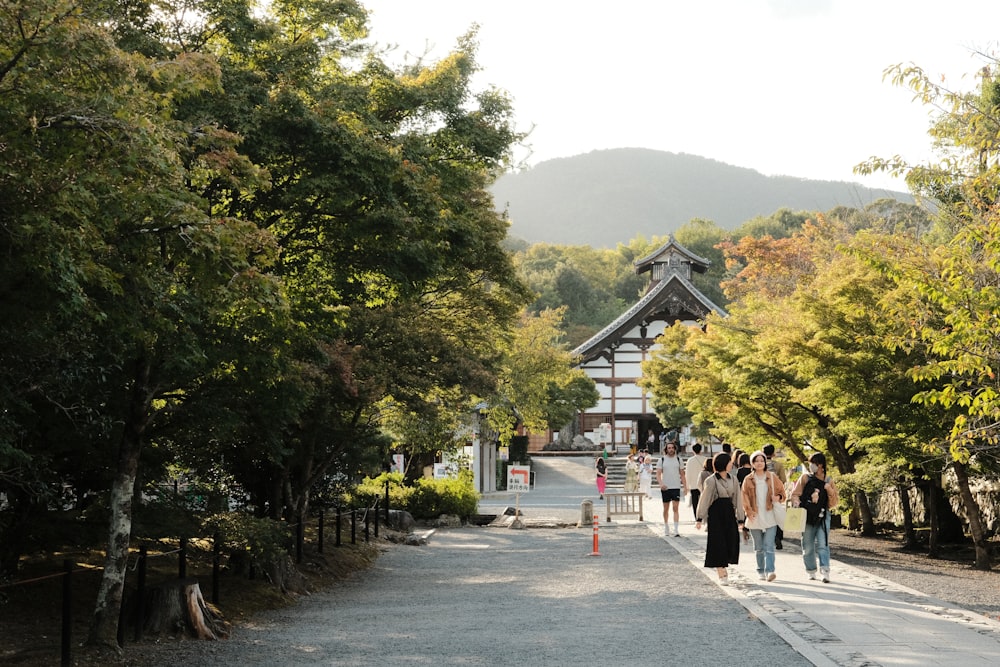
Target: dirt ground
(30,614)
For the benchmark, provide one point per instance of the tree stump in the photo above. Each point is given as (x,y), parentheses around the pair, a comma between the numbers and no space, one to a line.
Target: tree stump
(178,607)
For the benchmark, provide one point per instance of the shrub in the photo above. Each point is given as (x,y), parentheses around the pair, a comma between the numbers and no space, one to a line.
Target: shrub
(263,540)
(427,499)
(433,497)
(373,489)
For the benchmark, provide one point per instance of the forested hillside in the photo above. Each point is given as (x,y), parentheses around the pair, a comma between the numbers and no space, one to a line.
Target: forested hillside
(608,197)
(595,285)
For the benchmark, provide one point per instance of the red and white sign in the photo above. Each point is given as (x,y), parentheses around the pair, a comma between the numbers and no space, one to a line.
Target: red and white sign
(518,478)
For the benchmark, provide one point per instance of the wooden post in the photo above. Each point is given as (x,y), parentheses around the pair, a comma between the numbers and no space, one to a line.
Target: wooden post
(339,519)
(140,593)
(216,565)
(182,559)
(386,503)
(299,538)
(67,614)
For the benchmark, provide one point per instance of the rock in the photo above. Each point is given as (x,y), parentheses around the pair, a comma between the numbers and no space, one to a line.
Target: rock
(448,521)
(401,520)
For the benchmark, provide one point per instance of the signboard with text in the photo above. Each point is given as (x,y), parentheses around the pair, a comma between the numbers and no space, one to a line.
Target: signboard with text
(518,478)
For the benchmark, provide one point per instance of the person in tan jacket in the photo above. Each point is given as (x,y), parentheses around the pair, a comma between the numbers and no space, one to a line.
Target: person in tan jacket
(762,491)
(816,492)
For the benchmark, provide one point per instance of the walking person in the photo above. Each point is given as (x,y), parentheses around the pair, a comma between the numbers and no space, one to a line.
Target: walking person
(631,474)
(602,475)
(743,468)
(721,506)
(692,471)
(778,468)
(762,491)
(672,487)
(705,473)
(646,474)
(818,495)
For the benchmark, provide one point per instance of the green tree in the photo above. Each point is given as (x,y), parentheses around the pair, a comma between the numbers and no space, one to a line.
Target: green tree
(952,319)
(539,386)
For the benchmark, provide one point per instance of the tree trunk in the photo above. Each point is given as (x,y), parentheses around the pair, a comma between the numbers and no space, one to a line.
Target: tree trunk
(845,464)
(107,610)
(933,519)
(179,606)
(865,512)
(945,526)
(909,534)
(974,516)
(283,574)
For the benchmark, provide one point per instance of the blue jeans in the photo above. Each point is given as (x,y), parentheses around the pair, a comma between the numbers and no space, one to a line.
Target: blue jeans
(815,540)
(763,546)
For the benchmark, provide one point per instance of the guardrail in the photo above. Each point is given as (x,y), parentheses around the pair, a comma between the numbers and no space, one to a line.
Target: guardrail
(623,503)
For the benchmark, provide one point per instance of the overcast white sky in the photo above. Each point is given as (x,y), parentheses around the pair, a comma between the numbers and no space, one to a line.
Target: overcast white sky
(790,87)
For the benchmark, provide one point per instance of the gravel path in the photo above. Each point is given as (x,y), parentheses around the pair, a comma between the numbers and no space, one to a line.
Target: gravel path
(488,596)
(496,596)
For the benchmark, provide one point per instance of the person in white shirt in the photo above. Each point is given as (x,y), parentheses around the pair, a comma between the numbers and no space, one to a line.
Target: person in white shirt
(672,486)
(692,471)
(645,473)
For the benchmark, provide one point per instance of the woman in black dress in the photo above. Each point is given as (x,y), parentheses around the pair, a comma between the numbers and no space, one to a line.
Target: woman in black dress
(721,506)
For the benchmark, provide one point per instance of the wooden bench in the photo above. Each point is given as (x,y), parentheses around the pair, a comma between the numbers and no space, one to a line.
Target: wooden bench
(623,503)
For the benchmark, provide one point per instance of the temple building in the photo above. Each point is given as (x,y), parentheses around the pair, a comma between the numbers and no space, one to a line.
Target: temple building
(612,358)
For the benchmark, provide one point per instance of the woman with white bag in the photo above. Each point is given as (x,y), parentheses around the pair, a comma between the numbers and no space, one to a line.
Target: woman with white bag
(764,505)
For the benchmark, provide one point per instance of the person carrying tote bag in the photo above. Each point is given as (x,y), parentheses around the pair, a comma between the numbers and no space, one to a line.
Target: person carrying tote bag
(817,494)
(795,520)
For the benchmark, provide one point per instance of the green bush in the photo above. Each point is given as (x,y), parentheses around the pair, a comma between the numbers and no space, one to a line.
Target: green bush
(427,499)
(371,490)
(433,497)
(263,540)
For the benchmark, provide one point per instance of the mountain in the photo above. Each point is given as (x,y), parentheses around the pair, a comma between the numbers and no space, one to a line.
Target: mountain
(605,197)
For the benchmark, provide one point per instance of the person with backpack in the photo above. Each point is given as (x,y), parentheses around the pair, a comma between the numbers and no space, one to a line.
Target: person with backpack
(670,475)
(816,493)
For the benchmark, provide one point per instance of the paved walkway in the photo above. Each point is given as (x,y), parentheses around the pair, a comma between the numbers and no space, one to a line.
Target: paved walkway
(857,619)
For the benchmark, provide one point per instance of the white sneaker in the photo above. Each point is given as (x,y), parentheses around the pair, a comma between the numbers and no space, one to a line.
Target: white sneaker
(760,575)
(677,534)
(812,575)
(666,532)
(723,581)
(826,576)
(772,576)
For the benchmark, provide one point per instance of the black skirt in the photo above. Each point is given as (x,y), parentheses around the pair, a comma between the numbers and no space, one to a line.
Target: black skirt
(723,544)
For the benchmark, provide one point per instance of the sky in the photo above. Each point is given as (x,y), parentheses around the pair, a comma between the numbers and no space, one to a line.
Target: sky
(785,87)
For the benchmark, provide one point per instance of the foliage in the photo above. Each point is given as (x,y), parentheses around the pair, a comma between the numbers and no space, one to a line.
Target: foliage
(433,497)
(426,499)
(538,385)
(371,490)
(263,539)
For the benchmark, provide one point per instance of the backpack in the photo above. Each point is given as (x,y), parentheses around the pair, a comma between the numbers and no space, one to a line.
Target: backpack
(815,512)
